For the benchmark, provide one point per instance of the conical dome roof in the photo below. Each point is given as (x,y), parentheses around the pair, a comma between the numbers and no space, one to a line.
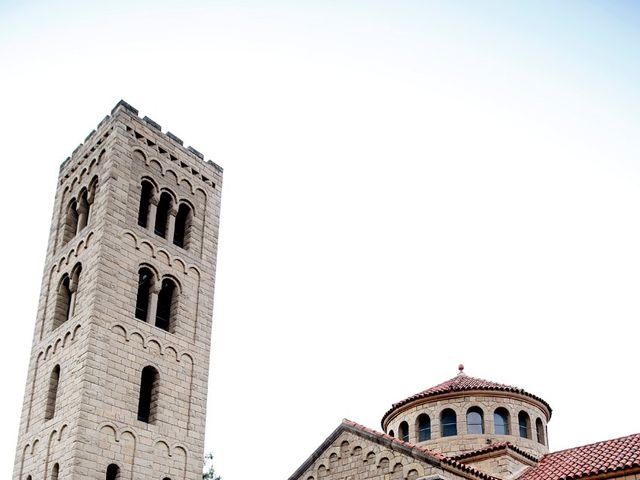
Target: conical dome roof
(462,383)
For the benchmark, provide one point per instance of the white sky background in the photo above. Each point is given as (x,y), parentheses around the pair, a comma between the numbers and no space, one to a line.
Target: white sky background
(408,185)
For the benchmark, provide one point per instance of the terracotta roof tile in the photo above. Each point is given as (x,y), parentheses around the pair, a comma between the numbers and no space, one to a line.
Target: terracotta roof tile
(460,383)
(598,458)
(493,448)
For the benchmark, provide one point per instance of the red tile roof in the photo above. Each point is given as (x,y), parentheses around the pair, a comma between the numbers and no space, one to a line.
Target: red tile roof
(461,383)
(615,455)
(494,447)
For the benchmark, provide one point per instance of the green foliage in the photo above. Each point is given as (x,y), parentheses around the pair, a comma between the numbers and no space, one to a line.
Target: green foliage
(209,473)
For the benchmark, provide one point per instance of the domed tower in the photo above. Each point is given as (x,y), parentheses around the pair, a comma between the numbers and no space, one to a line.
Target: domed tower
(466,413)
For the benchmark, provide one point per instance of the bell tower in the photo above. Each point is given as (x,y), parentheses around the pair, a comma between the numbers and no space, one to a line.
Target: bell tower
(117,382)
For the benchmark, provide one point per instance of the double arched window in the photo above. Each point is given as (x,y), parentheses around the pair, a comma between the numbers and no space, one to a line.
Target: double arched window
(157,301)
(172,219)
(66,296)
(448,423)
(78,212)
(501,421)
(423,426)
(475,421)
(524,424)
(148,397)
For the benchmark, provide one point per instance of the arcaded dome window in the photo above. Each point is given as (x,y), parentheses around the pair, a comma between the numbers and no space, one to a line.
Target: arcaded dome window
(148,399)
(403,431)
(475,421)
(540,431)
(391,434)
(423,426)
(448,423)
(113,472)
(501,421)
(524,424)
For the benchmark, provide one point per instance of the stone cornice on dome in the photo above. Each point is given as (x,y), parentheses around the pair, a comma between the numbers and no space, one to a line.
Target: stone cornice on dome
(463,383)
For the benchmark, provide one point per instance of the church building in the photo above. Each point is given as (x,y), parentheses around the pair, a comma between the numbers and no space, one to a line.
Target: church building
(466,428)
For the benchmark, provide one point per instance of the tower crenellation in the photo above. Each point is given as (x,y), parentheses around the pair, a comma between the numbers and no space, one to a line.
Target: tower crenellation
(118,375)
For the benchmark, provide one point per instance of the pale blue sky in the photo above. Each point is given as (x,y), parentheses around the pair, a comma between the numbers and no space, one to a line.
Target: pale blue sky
(397,174)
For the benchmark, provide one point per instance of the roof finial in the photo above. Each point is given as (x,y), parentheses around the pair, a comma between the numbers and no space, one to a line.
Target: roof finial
(461,368)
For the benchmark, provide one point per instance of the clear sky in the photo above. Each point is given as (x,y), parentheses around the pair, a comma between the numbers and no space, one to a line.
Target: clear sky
(408,185)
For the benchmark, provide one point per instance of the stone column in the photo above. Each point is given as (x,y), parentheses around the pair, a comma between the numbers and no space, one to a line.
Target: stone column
(171,223)
(83,214)
(153,211)
(153,302)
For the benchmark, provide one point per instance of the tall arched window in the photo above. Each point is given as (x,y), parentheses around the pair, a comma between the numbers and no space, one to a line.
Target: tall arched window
(63,302)
(475,421)
(424,427)
(70,222)
(113,472)
(524,424)
(448,423)
(55,471)
(52,393)
(403,431)
(182,233)
(540,431)
(145,281)
(162,214)
(83,210)
(501,421)
(167,305)
(148,400)
(145,202)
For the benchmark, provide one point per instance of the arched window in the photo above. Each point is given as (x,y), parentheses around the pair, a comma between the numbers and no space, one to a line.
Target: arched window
(52,394)
(113,472)
(29,477)
(448,423)
(501,421)
(148,401)
(540,431)
(182,233)
(55,471)
(524,424)
(475,421)
(63,302)
(162,214)
(403,431)
(167,305)
(71,222)
(145,202)
(391,433)
(424,427)
(145,281)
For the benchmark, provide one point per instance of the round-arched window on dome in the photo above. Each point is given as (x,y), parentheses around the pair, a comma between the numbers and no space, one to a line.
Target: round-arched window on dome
(501,421)
(475,423)
(423,426)
(448,423)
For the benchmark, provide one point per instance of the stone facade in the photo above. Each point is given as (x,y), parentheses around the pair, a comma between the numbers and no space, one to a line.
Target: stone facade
(127,287)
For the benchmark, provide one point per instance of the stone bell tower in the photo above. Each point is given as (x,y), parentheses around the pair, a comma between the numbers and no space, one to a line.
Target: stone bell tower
(117,382)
